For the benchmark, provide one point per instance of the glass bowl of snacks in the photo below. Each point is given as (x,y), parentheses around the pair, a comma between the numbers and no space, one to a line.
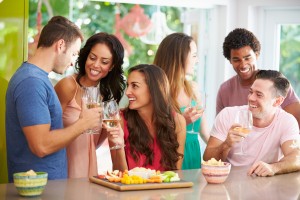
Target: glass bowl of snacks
(30,183)
(215,171)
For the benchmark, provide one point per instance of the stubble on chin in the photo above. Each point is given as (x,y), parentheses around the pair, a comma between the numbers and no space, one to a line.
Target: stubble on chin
(257,115)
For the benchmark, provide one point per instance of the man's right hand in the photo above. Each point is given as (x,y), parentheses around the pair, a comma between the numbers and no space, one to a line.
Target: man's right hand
(91,117)
(234,135)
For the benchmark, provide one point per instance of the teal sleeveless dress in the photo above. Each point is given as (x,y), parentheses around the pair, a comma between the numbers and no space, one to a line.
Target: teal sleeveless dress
(192,152)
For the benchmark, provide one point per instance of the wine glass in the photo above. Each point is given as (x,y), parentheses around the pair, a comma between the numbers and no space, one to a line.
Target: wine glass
(201,101)
(245,120)
(198,104)
(111,114)
(92,98)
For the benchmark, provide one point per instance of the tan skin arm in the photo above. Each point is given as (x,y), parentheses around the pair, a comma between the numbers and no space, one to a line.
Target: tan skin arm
(42,141)
(116,136)
(218,149)
(204,133)
(119,159)
(181,135)
(65,90)
(294,109)
(289,163)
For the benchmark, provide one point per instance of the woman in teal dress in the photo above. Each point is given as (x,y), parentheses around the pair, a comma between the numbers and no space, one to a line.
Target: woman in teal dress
(192,151)
(177,56)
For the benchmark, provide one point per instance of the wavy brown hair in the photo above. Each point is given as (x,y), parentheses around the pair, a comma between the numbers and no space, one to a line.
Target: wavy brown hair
(171,56)
(139,136)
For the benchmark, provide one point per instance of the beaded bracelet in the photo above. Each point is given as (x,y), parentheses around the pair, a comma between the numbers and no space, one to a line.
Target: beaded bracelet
(117,146)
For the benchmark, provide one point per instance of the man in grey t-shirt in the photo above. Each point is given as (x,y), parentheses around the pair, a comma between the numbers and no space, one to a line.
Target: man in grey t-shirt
(242,49)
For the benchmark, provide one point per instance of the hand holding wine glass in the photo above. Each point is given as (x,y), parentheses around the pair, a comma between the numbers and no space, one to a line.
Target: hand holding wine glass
(245,121)
(195,110)
(111,119)
(92,99)
(111,113)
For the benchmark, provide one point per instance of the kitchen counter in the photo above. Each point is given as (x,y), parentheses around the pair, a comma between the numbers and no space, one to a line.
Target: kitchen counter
(237,186)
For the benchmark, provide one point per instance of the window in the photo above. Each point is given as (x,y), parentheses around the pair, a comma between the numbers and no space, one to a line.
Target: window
(281,43)
(290,54)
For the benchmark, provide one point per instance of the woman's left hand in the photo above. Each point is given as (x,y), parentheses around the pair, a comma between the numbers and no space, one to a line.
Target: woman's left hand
(191,114)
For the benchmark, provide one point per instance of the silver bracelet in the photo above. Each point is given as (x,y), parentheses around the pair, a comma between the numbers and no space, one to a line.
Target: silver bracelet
(117,146)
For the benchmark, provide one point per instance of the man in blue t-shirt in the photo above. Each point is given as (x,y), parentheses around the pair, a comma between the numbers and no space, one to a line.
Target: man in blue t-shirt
(35,135)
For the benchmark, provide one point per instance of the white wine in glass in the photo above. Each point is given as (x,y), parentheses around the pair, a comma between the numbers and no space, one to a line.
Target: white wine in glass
(111,122)
(92,98)
(245,120)
(111,113)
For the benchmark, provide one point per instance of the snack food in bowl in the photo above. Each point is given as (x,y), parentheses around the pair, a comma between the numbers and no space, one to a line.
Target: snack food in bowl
(30,183)
(215,171)
(142,172)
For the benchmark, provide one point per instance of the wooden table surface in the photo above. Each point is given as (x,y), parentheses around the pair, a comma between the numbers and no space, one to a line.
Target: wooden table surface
(237,186)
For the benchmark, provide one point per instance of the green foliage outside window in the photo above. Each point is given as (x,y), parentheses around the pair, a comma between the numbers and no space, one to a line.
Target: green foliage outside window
(290,54)
(100,16)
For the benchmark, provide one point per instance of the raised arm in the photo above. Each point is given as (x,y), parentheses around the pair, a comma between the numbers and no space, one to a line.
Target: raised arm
(219,149)
(116,142)
(190,113)
(42,141)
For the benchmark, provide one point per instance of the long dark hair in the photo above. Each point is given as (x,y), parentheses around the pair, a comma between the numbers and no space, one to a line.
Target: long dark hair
(113,85)
(139,136)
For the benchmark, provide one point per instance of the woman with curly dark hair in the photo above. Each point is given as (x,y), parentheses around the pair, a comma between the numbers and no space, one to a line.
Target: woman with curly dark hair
(99,63)
(154,134)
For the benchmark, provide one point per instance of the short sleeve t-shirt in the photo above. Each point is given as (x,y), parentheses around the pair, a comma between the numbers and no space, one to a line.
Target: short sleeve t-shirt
(31,100)
(262,144)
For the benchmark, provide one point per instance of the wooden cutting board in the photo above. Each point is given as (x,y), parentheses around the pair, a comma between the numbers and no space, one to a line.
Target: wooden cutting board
(145,186)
